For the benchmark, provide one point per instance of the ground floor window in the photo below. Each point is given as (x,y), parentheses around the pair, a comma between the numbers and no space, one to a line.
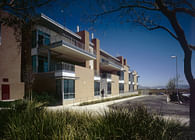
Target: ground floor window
(43,64)
(129,87)
(34,63)
(96,88)
(109,88)
(121,88)
(69,89)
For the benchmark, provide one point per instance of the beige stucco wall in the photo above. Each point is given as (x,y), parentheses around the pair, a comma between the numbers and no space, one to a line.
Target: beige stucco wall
(135,80)
(84,85)
(115,85)
(10,63)
(126,79)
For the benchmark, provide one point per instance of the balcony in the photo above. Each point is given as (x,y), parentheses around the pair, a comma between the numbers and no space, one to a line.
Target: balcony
(107,64)
(73,49)
(63,70)
(106,75)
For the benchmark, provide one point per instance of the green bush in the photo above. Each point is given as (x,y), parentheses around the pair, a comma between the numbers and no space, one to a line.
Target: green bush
(49,98)
(29,120)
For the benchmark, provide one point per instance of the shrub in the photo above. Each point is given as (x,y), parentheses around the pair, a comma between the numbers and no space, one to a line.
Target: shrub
(29,120)
(49,98)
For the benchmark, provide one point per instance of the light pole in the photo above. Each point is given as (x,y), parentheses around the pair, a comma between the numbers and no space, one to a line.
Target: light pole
(176,77)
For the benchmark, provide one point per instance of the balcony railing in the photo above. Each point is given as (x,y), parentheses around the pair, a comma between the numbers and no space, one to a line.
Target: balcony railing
(121,77)
(106,75)
(62,66)
(77,43)
(107,61)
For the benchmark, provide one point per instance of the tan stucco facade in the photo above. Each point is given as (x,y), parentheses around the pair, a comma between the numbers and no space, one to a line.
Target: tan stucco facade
(115,85)
(84,85)
(10,63)
(126,79)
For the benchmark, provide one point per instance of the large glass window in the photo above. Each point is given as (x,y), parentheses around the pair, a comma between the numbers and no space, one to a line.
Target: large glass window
(121,88)
(43,38)
(96,88)
(34,63)
(69,89)
(43,64)
(121,75)
(109,88)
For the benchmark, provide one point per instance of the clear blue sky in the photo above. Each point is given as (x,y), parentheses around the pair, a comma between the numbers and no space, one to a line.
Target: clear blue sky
(147,52)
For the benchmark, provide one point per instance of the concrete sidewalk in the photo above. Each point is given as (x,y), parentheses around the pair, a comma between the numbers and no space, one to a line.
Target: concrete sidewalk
(98,108)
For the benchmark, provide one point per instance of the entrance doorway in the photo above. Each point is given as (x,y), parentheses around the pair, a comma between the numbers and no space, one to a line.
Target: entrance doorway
(5,92)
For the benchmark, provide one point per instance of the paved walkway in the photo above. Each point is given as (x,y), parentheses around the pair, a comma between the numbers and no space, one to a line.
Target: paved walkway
(153,103)
(98,108)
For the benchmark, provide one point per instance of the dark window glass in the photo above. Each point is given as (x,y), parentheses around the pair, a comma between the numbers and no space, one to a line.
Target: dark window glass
(69,89)
(43,38)
(108,88)
(121,88)
(34,63)
(43,64)
(121,75)
(96,88)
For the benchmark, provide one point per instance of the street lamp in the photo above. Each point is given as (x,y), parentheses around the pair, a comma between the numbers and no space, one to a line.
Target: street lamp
(176,78)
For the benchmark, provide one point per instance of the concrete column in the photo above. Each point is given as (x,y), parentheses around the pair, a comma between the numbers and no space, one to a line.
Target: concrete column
(96,43)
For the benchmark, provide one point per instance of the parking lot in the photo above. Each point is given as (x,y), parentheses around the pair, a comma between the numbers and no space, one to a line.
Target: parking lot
(158,104)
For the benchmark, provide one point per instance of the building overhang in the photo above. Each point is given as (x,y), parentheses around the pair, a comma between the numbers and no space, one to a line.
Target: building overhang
(70,51)
(109,67)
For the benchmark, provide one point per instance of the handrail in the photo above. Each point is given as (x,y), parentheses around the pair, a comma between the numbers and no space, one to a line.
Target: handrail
(62,66)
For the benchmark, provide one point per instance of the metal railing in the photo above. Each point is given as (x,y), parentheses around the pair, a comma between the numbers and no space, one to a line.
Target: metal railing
(62,66)
(107,61)
(77,43)
(106,75)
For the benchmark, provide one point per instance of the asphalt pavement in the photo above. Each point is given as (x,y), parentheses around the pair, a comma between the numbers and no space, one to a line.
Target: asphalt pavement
(158,104)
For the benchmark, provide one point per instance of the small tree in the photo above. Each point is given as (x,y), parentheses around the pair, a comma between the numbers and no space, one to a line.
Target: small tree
(171,86)
(147,13)
(21,19)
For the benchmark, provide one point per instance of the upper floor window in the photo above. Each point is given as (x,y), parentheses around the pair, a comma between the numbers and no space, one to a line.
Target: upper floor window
(40,38)
(121,75)
(43,38)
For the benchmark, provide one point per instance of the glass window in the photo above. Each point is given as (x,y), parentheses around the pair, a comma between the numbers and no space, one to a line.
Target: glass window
(96,88)
(109,88)
(34,63)
(43,38)
(43,64)
(121,88)
(121,75)
(69,89)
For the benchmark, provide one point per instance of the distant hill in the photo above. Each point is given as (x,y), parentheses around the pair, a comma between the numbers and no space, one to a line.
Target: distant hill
(162,87)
